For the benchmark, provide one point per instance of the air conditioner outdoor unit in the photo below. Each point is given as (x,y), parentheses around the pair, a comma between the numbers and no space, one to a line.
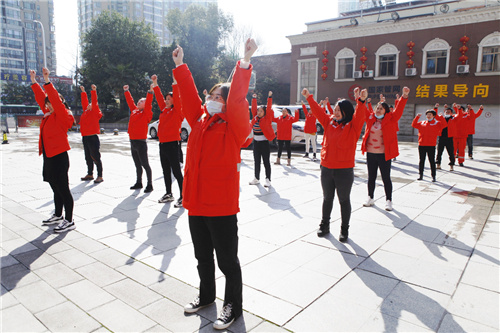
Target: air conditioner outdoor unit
(462,69)
(358,74)
(410,71)
(368,74)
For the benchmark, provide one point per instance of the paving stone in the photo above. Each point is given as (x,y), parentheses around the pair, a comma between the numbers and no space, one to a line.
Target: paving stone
(74,258)
(19,319)
(35,259)
(86,244)
(38,296)
(110,257)
(476,304)
(17,275)
(100,274)
(132,293)
(172,317)
(7,299)
(58,275)
(452,324)
(119,317)
(86,295)
(268,327)
(67,317)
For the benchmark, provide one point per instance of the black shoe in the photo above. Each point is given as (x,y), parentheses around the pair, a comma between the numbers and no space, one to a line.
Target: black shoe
(195,305)
(344,234)
(149,188)
(461,164)
(136,186)
(420,178)
(470,157)
(226,317)
(178,204)
(306,155)
(433,179)
(324,229)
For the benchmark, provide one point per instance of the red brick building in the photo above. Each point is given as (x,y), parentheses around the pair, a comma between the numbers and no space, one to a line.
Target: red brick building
(444,51)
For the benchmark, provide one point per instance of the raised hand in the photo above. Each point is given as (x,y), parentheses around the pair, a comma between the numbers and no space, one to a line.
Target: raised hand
(178,56)
(33,76)
(406,92)
(93,87)
(250,48)
(125,87)
(363,95)
(82,88)
(46,74)
(154,78)
(305,93)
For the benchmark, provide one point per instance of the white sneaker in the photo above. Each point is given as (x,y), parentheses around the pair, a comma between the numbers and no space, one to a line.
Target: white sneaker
(369,202)
(267,183)
(255,181)
(64,226)
(388,205)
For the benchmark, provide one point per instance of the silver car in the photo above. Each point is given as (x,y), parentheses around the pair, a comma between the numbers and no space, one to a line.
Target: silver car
(185,130)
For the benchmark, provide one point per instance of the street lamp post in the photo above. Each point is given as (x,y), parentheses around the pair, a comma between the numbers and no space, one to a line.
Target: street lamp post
(43,40)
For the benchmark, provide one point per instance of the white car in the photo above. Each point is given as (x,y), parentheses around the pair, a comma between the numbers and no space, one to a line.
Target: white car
(185,130)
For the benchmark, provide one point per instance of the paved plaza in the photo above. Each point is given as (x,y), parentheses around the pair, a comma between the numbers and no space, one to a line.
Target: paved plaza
(430,265)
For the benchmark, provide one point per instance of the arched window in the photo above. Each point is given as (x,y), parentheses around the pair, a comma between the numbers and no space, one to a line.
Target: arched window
(387,60)
(436,58)
(345,60)
(488,62)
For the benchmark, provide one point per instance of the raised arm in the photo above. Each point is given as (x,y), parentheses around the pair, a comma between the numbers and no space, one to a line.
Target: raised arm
(148,106)
(160,99)
(296,117)
(84,98)
(316,109)
(358,119)
(191,102)
(95,104)
(63,115)
(128,97)
(254,105)
(38,91)
(401,103)
(415,122)
(237,104)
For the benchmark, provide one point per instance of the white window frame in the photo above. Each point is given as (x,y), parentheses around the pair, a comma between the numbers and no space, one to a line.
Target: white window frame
(384,50)
(492,39)
(437,44)
(299,88)
(345,53)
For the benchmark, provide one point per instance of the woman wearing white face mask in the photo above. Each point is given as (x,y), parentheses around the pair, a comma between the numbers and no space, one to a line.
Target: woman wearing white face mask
(380,142)
(212,179)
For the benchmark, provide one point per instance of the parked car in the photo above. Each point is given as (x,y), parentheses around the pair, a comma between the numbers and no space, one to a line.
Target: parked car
(298,135)
(302,116)
(185,130)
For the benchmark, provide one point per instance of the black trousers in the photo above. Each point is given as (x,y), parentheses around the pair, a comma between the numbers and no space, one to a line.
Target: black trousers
(139,149)
(261,150)
(375,162)
(470,142)
(169,157)
(55,172)
(91,146)
(339,180)
(219,233)
(287,146)
(181,154)
(445,142)
(430,151)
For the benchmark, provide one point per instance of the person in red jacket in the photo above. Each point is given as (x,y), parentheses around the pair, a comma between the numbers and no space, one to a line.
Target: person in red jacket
(447,135)
(428,132)
(380,142)
(284,130)
(310,131)
(169,129)
(140,116)
(471,127)
(212,179)
(461,133)
(262,133)
(53,145)
(342,131)
(89,128)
